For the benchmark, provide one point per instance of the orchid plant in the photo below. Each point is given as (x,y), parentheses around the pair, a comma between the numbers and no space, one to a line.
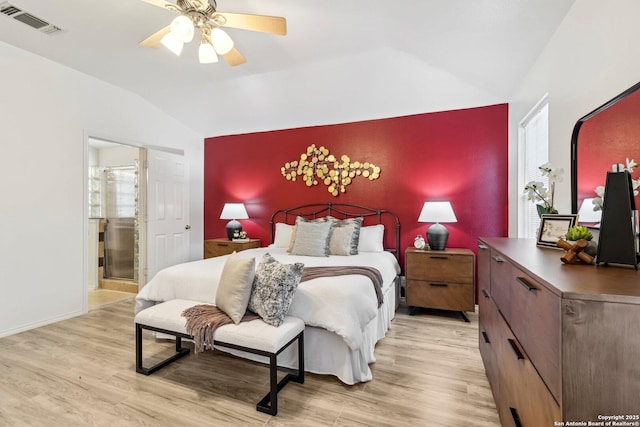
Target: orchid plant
(635,183)
(537,192)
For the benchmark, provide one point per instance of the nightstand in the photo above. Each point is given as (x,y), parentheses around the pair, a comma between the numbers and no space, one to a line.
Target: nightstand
(223,246)
(441,279)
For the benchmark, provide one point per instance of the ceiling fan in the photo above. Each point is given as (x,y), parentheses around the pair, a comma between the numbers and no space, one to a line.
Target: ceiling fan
(203,15)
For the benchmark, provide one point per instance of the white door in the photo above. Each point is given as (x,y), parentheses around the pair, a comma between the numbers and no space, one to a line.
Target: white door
(167,210)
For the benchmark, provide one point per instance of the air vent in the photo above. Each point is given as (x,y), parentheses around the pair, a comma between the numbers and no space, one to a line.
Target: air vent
(28,19)
(8,10)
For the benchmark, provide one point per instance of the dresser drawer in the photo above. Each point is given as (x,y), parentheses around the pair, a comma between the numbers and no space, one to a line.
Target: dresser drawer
(484,269)
(502,276)
(526,395)
(488,338)
(440,266)
(538,326)
(440,294)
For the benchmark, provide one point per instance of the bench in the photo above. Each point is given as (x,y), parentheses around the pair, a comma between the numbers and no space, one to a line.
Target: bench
(254,336)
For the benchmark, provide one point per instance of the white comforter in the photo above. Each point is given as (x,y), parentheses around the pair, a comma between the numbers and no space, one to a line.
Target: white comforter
(342,304)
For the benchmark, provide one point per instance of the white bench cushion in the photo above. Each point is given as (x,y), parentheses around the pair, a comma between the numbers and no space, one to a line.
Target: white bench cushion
(255,334)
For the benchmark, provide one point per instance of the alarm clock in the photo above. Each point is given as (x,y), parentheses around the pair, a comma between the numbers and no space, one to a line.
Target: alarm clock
(419,242)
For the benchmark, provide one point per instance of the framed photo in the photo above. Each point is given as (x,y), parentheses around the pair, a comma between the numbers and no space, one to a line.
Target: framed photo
(553,227)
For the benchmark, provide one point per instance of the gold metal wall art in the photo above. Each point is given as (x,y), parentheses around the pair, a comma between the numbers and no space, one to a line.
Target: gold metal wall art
(317,165)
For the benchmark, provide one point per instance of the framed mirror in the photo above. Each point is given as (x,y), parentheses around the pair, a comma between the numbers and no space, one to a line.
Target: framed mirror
(606,136)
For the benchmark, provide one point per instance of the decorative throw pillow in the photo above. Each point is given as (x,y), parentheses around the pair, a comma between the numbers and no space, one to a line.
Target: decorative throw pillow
(273,288)
(283,235)
(312,238)
(371,238)
(299,218)
(234,288)
(345,236)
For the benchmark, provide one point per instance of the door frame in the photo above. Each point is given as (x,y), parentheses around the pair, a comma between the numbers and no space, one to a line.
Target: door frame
(143,208)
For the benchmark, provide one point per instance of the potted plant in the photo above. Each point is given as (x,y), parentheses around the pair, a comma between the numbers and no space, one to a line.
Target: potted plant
(537,192)
(580,232)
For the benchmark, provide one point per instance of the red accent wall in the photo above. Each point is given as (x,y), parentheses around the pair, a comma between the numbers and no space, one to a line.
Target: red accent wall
(460,156)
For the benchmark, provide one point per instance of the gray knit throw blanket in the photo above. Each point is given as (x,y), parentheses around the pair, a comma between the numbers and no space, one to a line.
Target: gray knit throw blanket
(204,319)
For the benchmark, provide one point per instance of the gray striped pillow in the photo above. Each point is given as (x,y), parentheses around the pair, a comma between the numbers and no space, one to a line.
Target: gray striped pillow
(312,238)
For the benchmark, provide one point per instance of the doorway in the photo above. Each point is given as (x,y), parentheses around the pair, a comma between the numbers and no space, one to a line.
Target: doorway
(114,226)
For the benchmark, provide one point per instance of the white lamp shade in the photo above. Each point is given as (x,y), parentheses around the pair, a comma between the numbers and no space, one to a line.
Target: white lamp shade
(207,54)
(221,41)
(182,29)
(586,212)
(234,211)
(171,43)
(437,212)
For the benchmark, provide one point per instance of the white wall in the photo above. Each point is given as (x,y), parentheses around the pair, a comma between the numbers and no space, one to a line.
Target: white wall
(592,57)
(46,111)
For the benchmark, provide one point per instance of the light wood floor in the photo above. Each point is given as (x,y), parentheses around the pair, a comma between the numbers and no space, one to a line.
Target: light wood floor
(82,372)
(101,297)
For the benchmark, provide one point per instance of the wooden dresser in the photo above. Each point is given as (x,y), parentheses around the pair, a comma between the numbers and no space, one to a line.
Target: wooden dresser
(559,342)
(441,279)
(224,246)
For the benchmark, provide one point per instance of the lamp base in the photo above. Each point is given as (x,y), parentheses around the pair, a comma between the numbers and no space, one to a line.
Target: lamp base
(233,227)
(437,236)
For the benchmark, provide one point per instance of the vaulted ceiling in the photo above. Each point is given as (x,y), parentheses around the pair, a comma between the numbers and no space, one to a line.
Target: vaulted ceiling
(340,61)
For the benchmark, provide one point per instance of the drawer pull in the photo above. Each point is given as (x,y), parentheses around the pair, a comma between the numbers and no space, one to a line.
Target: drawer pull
(485,293)
(438,257)
(515,349)
(482,247)
(497,259)
(223,244)
(516,418)
(485,337)
(526,284)
(440,285)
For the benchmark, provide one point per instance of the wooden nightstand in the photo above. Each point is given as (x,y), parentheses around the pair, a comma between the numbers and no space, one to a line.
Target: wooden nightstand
(441,279)
(223,246)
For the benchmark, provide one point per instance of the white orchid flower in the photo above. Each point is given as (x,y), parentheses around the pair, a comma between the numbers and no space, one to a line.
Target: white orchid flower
(631,165)
(556,175)
(546,169)
(597,203)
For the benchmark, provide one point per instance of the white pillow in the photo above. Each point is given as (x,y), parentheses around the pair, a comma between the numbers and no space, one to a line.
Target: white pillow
(234,288)
(282,238)
(371,238)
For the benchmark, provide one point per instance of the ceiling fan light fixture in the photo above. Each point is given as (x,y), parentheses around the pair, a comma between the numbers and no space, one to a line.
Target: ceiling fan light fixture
(207,54)
(171,43)
(221,41)
(182,29)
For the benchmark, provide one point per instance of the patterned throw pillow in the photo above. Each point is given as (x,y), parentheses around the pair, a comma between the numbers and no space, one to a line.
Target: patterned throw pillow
(312,238)
(345,235)
(273,288)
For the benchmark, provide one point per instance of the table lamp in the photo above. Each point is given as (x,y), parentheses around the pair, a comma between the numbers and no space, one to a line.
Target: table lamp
(586,214)
(233,211)
(437,212)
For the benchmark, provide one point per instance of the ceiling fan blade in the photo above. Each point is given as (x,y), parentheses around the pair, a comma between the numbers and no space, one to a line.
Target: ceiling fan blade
(154,39)
(262,23)
(234,57)
(163,4)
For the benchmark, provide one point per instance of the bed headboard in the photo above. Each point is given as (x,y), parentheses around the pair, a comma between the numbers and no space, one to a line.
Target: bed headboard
(371,216)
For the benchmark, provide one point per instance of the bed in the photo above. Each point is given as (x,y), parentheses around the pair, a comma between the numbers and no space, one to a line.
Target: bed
(343,318)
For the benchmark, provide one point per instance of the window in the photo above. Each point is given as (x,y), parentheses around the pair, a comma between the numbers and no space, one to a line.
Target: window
(533,151)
